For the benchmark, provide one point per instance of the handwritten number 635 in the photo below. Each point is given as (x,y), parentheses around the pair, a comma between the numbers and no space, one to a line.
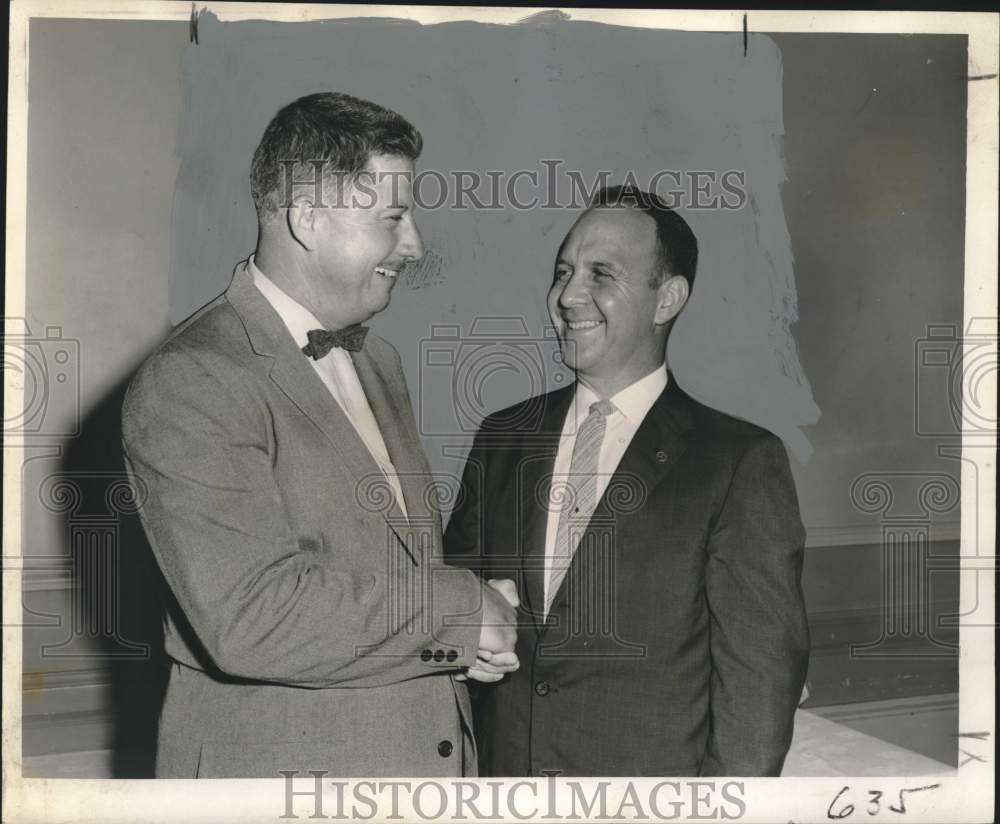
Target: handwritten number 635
(874,806)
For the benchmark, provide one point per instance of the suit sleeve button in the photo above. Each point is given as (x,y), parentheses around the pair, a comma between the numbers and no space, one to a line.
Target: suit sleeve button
(452,656)
(439,655)
(425,655)
(542,688)
(445,748)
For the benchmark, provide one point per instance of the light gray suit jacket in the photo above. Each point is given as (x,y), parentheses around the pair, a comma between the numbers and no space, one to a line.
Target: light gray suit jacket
(313,627)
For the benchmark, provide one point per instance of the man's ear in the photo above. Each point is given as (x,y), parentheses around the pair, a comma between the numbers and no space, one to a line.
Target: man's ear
(302,220)
(672,294)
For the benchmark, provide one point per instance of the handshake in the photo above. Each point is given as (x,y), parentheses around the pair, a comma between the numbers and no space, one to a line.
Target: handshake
(496,656)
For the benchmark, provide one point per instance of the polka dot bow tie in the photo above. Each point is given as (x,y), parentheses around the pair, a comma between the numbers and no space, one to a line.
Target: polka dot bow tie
(322,341)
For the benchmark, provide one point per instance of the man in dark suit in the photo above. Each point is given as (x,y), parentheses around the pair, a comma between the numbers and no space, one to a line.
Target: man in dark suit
(656,543)
(285,494)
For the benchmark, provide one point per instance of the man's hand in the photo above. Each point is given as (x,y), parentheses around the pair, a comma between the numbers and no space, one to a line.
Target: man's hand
(499,634)
(499,631)
(507,588)
(489,668)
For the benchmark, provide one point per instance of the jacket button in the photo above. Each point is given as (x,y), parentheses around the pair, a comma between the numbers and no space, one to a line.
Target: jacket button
(452,655)
(425,655)
(445,748)
(661,456)
(439,655)
(542,688)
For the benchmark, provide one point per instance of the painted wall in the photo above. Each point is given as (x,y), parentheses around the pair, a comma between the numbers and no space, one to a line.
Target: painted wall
(875,203)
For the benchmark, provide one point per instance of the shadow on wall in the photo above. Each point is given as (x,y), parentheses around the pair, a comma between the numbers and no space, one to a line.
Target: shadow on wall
(120,588)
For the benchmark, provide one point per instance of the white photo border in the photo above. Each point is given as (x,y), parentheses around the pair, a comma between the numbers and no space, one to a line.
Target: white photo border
(964,795)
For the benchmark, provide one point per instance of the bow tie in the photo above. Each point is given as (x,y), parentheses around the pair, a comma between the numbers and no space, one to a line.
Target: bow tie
(322,341)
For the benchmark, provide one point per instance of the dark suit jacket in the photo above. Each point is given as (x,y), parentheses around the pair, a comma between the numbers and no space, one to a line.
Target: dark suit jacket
(303,633)
(677,643)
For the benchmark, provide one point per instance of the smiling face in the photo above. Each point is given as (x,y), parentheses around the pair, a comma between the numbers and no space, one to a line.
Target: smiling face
(611,321)
(360,242)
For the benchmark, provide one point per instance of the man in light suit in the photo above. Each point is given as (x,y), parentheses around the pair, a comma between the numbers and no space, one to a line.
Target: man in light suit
(286,497)
(656,543)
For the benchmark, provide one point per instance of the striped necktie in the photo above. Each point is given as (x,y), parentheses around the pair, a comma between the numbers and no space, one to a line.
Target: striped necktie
(579,498)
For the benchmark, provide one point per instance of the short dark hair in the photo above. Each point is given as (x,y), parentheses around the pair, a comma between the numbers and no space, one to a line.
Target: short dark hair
(676,245)
(340,130)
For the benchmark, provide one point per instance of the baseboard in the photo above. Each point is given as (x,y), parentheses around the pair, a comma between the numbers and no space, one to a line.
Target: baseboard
(67,732)
(914,705)
(855,659)
(869,534)
(834,630)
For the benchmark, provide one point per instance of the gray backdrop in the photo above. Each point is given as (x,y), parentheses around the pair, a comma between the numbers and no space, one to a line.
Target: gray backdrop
(490,97)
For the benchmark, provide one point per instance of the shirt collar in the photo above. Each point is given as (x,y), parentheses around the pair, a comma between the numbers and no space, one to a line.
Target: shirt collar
(633,402)
(295,316)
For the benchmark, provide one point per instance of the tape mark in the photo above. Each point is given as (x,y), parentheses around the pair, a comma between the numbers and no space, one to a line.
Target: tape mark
(544,18)
(193,25)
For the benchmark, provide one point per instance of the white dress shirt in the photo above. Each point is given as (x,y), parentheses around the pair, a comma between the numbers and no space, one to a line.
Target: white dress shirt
(631,406)
(337,372)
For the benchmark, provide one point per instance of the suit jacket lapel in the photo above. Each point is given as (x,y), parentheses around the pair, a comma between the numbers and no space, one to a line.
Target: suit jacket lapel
(657,446)
(403,445)
(292,373)
(534,482)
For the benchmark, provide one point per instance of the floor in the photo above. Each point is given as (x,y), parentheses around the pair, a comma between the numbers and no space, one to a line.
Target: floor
(864,740)
(907,737)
